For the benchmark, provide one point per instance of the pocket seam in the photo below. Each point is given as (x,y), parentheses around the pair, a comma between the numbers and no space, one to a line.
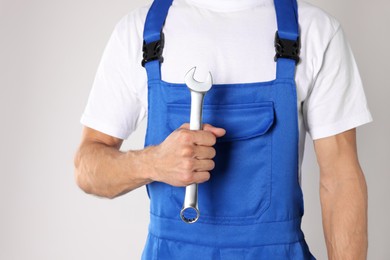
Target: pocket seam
(268,105)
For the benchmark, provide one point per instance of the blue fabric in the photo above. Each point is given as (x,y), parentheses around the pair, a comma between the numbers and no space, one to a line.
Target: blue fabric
(158,248)
(155,20)
(251,208)
(152,32)
(287,17)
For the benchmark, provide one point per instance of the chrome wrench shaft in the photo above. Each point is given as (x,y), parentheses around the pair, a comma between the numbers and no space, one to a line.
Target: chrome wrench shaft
(190,211)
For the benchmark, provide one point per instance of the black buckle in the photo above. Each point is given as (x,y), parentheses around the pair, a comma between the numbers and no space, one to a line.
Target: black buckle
(288,49)
(153,51)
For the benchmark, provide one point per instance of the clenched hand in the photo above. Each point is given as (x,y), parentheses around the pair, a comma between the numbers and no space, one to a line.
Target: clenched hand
(186,156)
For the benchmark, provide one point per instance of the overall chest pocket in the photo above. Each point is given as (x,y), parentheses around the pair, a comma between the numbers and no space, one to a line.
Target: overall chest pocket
(239,189)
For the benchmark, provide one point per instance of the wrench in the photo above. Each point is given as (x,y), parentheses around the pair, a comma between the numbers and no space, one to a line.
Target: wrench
(198,91)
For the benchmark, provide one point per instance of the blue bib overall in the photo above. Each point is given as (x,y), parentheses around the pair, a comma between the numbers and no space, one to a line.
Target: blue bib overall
(251,208)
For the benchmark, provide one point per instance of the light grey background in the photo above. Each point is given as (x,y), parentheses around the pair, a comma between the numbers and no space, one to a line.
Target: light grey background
(49,52)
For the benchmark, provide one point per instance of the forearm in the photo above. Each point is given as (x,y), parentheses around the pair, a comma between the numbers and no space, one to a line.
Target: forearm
(344,210)
(183,158)
(107,172)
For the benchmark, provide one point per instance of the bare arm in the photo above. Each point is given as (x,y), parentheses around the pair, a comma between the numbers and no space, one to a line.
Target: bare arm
(185,157)
(343,194)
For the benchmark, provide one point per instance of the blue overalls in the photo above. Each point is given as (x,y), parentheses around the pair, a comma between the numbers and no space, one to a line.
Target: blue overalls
(251,208)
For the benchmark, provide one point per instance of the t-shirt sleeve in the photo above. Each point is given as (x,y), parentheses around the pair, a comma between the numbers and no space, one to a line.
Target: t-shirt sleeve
(114,105)
(336,102)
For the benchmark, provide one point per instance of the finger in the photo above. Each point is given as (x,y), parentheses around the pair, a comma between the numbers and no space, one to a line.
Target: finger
(204,152)
(217,131)
(204,165)
(185,126)
(205,138)
(200,177)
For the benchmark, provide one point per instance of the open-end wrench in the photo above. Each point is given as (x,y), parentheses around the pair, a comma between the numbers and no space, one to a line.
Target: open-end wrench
(190,212)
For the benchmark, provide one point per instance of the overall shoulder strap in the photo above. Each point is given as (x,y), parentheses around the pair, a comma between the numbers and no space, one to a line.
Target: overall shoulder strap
(287,40)
(154,38)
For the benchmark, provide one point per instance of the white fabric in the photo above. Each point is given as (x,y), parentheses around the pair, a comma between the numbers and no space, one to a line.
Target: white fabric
(234,40)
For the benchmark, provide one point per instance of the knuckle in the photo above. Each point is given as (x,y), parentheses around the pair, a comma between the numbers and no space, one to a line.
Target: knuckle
(188,165)
(185,136)
(213,139)
(186,178)
(187,151)
(211,165)
(205,177)
(185,125)
(213,152)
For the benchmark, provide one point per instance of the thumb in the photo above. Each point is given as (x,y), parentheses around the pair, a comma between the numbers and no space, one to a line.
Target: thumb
(217,131)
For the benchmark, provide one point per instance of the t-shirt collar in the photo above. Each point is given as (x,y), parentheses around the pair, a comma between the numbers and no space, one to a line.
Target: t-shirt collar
(228,5)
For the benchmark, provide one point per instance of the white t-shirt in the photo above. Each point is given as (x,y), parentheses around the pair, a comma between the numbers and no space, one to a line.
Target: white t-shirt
(234,40)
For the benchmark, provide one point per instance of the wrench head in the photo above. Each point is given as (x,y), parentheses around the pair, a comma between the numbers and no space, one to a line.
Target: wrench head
(194,85)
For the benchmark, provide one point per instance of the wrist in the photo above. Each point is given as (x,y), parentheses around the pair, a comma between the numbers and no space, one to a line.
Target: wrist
(142,164)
